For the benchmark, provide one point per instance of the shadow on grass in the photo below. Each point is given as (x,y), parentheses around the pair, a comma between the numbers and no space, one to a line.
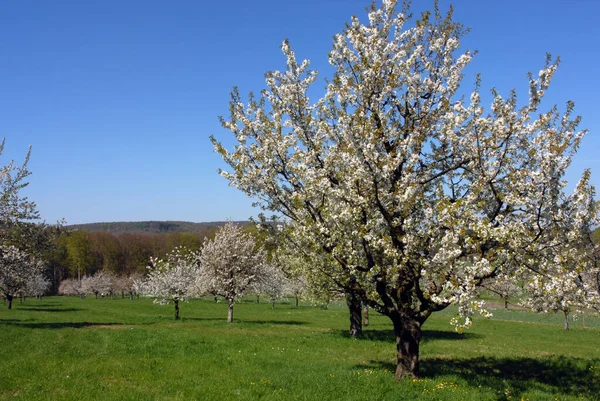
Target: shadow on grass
(427,335)
(60,325)
(39,309)
(275,322)
(244,321)
(557,375)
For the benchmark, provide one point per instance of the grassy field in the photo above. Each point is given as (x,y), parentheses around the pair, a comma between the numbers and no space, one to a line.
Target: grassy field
(73,349)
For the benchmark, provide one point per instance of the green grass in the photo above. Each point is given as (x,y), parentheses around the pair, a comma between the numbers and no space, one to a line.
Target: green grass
(73,349)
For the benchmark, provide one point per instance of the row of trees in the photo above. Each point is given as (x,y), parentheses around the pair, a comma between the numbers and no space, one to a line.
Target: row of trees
(230,265)
(101,284)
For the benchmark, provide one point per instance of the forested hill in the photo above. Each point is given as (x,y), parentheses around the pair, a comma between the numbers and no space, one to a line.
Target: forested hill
(151,227)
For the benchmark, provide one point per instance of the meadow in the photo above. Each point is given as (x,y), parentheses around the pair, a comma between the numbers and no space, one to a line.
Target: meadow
(120,349)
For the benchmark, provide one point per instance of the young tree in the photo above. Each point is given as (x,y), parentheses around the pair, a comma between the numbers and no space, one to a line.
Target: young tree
(100,283)
(171,279)
(272,283)
(71,287)
(37,286)
(17,271)
(416,192)
(231,264)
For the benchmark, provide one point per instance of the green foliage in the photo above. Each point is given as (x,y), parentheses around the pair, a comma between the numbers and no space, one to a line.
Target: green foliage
(125,350)
(152,227)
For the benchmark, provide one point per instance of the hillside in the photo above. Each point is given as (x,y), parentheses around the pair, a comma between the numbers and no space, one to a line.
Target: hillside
(151,227)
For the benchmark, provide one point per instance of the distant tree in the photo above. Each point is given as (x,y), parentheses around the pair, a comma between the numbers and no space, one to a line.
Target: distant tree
(37,286)
(80,255)
(100,283)
(272,283)
(231,264)
(17,271)
(503,286)
(172,279)
(71,287)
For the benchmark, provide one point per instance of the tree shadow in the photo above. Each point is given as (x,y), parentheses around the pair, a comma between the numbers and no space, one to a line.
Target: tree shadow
(60,325)
(555,375)
(275,322)
(38,309)
(388,336)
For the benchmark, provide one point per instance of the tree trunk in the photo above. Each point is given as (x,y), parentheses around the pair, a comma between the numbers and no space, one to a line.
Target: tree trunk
(230,311)
(505,303)
(176,302)
(408,337)
(258,299)
(566,326)
(296,301)
(9,299)
(365,315)
(272,304)
(355,307)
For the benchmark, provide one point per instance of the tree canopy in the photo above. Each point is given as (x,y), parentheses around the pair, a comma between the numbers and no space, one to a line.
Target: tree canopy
(418,193)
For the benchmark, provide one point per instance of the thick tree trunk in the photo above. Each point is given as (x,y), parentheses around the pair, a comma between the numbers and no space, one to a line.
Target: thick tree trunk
(9,299)
(365,315)
(230,311)
(355,307)
(408,337)
(566,326)
(176,302)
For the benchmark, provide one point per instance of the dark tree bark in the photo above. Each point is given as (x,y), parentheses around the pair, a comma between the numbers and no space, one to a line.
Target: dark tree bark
(355,306)
(9,299)
(176,302)
(408,337)
(296,301)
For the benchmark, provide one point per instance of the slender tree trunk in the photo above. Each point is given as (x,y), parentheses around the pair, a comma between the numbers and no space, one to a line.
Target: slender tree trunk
(366,315)
(272,304)
(176,302)
(566,326)
(355,307)
(408,337)
(258,299)
(230,311)
(9,299)
(505,303)
(296,301)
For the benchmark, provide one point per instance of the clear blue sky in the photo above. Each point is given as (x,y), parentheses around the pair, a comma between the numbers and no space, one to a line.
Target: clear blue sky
(118,98)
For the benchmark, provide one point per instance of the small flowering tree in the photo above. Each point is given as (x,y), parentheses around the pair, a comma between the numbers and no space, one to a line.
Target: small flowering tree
(71,287)
(171,279)
(100,283)
(126,284)
(272,282)
(572,288)
(17,271)
(37,286)
(418,193)
(232,264)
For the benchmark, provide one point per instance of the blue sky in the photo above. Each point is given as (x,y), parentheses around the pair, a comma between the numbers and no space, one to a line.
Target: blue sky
(118,98)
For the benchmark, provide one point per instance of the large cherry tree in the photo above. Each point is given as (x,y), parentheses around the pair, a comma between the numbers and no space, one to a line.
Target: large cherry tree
(419,193)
